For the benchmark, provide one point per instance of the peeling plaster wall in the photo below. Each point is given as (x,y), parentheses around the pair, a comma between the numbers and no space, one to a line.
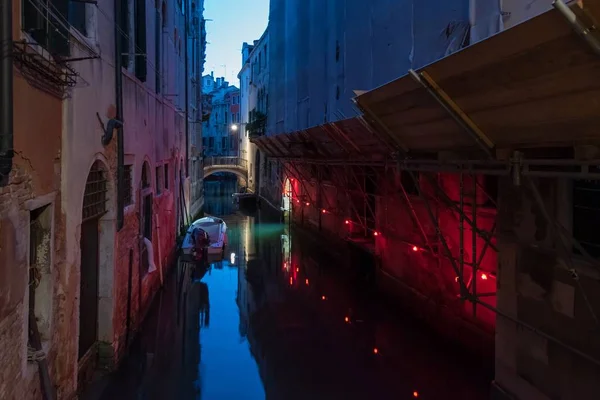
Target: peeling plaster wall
(33,182)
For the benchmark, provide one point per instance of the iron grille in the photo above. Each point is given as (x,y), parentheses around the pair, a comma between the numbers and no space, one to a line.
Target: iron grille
(94,199)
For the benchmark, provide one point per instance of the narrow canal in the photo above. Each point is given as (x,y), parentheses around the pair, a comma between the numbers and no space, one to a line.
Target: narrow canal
(280,317)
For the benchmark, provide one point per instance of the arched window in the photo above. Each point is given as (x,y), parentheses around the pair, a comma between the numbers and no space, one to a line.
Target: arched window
(94,198)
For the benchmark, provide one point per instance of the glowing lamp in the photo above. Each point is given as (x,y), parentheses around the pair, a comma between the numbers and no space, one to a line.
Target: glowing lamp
(375,350)
(347,222)
(346,319)
(307,204)
(415,394)
(306,281)
(291,280)
(323,298)
(324,211)
(375,233)
(415,248)
(484,277)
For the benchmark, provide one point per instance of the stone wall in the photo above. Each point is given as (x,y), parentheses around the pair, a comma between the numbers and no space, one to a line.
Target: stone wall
(537,288)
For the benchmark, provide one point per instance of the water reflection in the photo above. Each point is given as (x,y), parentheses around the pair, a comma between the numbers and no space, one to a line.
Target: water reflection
(288,320)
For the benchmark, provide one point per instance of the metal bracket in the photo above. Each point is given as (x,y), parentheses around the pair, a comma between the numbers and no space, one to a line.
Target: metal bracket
(589,31)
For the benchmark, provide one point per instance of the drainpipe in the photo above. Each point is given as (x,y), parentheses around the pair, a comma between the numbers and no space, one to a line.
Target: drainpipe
(6,91)
(187,103)
(119,117)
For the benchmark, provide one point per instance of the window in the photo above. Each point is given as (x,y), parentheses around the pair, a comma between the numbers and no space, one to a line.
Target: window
(211,143)
(145,176)
(40,264)
(232,142)
(224,143)
(164,14)
(77,16)
(140,40)
(159,179)
(94,197)
(586,213)
(337,51)
(166,176)
(42,25)
(127,194)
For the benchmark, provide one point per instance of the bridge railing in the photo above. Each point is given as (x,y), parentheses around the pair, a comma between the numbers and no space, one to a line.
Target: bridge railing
(226,162)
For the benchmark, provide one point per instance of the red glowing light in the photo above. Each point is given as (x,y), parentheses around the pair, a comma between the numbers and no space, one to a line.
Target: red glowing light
(375,351)
(484,277)
(324,211)
(346,319)
(375,233)
(307,204)
(346,222)
(291,280)
(306,281)
(415,248)
(297,201)
(297,269)
(415,394)
(323,298)
(456,279)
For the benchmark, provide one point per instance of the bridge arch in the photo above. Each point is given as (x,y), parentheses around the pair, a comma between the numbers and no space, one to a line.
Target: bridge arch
(232,165)
(208,171)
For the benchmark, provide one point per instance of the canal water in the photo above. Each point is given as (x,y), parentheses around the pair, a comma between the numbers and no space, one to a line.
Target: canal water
(281,317)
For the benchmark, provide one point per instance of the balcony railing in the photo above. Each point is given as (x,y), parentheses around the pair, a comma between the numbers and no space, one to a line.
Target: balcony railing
(226,162)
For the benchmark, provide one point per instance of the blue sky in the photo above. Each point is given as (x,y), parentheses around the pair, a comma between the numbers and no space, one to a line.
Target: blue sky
(233,23)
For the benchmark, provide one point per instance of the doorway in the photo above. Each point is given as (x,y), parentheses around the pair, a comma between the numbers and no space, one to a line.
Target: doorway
(94,207)
(88,297)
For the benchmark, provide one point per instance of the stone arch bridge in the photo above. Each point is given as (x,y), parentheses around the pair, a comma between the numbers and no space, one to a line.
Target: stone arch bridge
(234,165)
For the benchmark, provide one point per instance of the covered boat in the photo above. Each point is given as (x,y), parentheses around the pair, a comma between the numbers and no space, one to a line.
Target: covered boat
(208,232)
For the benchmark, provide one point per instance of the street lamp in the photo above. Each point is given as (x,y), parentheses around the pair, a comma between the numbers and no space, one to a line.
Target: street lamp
(234,127)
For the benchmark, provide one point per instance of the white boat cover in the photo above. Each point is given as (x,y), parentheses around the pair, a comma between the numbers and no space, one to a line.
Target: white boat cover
(214,227)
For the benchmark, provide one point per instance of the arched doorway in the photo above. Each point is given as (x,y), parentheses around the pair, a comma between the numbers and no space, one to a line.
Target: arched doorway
(257,172)
(94,207)
(287,197)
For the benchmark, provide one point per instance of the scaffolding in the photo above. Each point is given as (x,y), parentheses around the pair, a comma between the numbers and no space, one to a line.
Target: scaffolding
(353,154)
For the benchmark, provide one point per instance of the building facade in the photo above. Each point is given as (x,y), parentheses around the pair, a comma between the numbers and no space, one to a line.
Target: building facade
(464,250)
(107,180)
(254,100)
(196,59)
(33,272)
(219,129)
